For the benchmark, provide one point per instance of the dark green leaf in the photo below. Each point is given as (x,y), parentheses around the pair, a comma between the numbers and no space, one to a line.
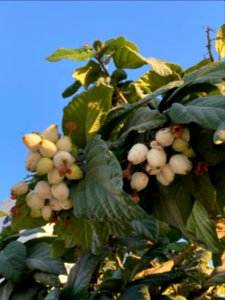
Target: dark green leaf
(72,89)
(13,261)
(146,228)
(87,111)
(73,54)
(197,66)
(135,292)
(6,288)
(47,279)
(27,289)
(109,285)
(126,58)
(216,279)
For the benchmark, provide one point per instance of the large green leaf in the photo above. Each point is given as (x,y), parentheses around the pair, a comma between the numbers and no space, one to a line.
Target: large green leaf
(73,54)
(146,228)
(220,41)
(13,261)
(99,196)
(40,258)
(113,44)
(136,292)
(88,112)
(126,58)
(27,289)
(201,227)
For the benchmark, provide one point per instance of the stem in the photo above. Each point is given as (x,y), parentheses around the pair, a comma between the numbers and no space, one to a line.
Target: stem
(209,44)
(118,261)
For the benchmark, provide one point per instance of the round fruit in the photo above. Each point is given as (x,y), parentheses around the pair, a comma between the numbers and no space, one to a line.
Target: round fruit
(32,141)
(62,160)
(64,144)
(66,204)
(54,177)
(18,189)
(137,153)
(43,190)
(46,212)
(139,181)
(32,159)
(180,145)
(51,133)
(74,172)
(164,137)
(180,164)
(156,158)
(60,191)
(44,166)
(47,148)
(33,201)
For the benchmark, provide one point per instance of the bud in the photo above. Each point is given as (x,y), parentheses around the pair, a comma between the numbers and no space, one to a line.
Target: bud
(18,189)
(180,145)
(66,204)
(64,144)
(32,141)
(156,158)
(31,160)
(139,181)
(74,172)
(35,213)
(34,202)
(137,153)
(168,173)
(164,137)
(55,205)
(180,164)
(60,191)
(54,177)
(62,160)
(44,166)
(43,190)
(161,178)
(51,133)
(46,212)
(47,148)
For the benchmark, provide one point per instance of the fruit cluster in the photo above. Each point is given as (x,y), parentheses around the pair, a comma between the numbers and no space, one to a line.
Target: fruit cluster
(50,157)
(156,160)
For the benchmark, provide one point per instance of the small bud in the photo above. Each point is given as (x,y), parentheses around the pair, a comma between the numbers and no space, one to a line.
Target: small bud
(139,181)
(18,189)
(32,159)
(44,166)
(47,148)
(54,177)
(46,212)
(32,141)
(64,144)
(74,172)
(156,158)
(66,204)
(180,145)
(60,191)
(43,190)
(51,133)
(33,201)
(137,153)
(164,137)
(180,164)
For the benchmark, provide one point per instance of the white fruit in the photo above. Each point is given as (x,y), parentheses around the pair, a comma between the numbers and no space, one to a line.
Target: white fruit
(62,160)
(156,158)
(54,177)
(64,144)
(152,171)
(19,188)
(180,164)
(74,172)
(155,145)
(164,137)
(137,153)
(47,148)
(139,181)
(60,191)
(44,166)
(46,212)
(32,159)
(66,204)
(168,173)
(161,178)
(180,145)
(32,141)
(55,205)
(43,190)
(33,201)
(51,133)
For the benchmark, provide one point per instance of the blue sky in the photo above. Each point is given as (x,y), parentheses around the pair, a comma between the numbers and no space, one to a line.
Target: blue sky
(31,87)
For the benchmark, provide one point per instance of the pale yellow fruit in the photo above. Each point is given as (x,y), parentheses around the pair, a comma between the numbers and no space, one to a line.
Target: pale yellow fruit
(180,164)
(55,205)
(156,158)
(161,178)
(32,159)
(62,160)
(164,137)
(51,133)
(66,204)
(186,134)
(47,148)
(74,172)
(19,188)
(44,166)
(60,191)
(35,213)
(168,173)
(137,153)
(64,143)
(139,181)
(190,153)
(180,145)
(33,201)
(46,212)
(43,190)
(32,141)
(54,177)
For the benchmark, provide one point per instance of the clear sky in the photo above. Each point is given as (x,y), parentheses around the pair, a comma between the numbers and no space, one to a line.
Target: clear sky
(31,87)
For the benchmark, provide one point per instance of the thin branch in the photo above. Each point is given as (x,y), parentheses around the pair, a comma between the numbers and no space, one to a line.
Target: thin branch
(209,44)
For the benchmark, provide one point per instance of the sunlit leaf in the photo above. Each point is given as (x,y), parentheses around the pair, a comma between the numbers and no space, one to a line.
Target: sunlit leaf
(72,54)
(220,41)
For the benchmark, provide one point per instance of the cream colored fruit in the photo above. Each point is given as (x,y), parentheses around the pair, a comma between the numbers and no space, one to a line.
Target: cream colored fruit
(44,166)
(64,144)
(62,160)
(19,188)
(137,153)
(66,204)
(32,141)
(33,201)
(55,205)
(180,164)
(43,190)
(54,177)
(161,178)
(168,173)
(46,212)
(31,160)
(60,191)
(156,158)
(47,148)
(155,145)
(74,172)
(51,133)
(164,137)
(139,181)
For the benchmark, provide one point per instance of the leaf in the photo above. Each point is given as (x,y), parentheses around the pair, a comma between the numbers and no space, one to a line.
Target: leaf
(73,54)
(126,58)
(72,89)
(27,289)
(220,41)
(198,65)
(217,279)
(159,66)
(47,279)
(99,196)
(113,44)
(39,258)
(6,288)
(109,285)
(53,295)
(13,261)
(88,74)
(88,111)
(205,116)
(146,228)
(201,227)
(135,292)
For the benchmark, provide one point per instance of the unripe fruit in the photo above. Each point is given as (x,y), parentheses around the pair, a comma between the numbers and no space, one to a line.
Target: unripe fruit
(60,191)
(43,190)
(152,171)
(180,164)
(64,144)
(164,137)
(190,153)
(180,145)
(186,134)
(33,201)
(32,141)
(74,172)
(51,133)
(46,212)
(44,166)
(161,178)
(47,148)
(156,158)
(66,204)
(32,159)
(168,173)
(18,189)
(139,181)
(35,213)
(137,153)
(155,145)
(54,177)
(55,205)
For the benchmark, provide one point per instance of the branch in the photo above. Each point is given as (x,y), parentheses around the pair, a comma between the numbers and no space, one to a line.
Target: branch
(209,44)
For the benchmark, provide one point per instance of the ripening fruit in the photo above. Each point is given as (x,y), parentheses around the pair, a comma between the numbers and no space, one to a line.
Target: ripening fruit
(54,177)
(180,145)
(55,205)
(43,190)
(152,171)
(35,213)
(18,189)
(180,164)
(47,148)
(46,212)
(34,202)
(44,166)
(164,137)
(32,159)
(168,173)
(32,141)
(64,144)
(51,133)
(66,204)
(74,172)
(161,178)
(62,160)
(60,191)
(139,181)
(137,153)
(190,153)
(186,134)
(156,158)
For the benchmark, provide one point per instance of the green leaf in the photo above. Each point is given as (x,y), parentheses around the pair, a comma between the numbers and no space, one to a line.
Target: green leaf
(159,66)
(217,279)
(126,58)
(47,279)
(198,65)
(72,89)
(113,44)
(220,41)
(40,258)
(201,227)
(99,196)
(136,292)
(13,261)
(88,112)
(88,74)
(27,289)
(146,228)
(6,288)
(109,285)
(73,54)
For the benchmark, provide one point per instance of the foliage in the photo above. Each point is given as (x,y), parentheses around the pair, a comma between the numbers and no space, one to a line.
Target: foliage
(165,241)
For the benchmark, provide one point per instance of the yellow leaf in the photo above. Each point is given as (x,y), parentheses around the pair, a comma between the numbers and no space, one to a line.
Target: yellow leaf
(220,41)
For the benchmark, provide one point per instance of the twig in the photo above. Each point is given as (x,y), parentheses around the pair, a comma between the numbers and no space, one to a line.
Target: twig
(209,44)
(118,261)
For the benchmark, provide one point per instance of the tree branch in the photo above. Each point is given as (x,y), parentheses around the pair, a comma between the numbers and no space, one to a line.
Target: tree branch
(209,44)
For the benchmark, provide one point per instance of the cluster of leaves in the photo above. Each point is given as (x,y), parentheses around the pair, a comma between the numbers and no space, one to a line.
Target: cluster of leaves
(159,248)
